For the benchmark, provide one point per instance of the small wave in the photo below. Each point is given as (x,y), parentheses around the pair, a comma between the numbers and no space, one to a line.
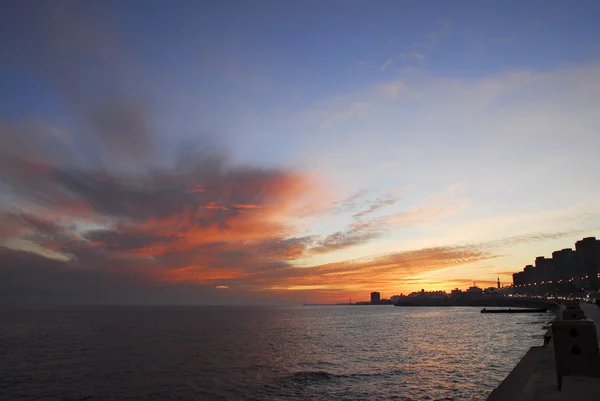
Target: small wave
(297,385)
(320,376)
(312,376)
(317,365)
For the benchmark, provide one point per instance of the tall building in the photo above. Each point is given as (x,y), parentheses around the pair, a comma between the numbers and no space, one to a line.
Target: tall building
(564,264)
(544,270)
(375,298)
(528,275)
(518,279)
(588,259)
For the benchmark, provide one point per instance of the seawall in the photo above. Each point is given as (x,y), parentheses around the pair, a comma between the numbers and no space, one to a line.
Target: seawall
(535,377)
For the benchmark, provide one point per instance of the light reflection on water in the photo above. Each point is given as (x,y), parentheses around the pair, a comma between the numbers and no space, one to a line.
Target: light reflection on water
(240,353)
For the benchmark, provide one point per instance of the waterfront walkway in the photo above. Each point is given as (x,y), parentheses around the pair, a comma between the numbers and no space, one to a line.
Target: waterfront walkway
(592,312)
(534,377)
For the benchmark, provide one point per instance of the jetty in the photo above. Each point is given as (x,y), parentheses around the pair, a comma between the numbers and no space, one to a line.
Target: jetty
(565,368)
(482,301)
(510,310)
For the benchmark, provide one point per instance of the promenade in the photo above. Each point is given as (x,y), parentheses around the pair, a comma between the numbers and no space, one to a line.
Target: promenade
(592,312)
(534,377)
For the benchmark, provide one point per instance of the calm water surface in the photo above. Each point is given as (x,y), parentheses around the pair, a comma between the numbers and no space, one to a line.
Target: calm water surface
(260,353)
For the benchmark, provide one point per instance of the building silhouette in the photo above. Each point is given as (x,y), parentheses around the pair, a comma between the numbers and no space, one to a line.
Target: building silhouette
(564,264)
(375,298)
(568,271)
(588,259)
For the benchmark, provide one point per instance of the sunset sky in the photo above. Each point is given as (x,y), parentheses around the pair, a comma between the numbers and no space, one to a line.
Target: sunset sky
(288,151)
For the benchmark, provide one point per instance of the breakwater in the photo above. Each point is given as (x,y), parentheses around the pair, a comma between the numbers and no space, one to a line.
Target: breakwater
(509,302)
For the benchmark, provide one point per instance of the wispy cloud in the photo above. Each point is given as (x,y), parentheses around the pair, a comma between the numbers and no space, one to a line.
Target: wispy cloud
(392,89)
(363,231)
(534,237)
(331,118)
(355,234)
(387,64)
(414,56)
(379,203)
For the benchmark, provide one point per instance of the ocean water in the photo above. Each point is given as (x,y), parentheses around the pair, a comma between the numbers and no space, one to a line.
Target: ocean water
(259,353)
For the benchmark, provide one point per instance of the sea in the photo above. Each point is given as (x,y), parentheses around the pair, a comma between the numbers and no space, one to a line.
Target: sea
(259,353)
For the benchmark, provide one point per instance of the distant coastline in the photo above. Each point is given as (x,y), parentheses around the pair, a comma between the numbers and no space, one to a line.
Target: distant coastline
(483,302)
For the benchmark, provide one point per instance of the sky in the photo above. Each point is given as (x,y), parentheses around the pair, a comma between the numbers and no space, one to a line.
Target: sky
(226,152)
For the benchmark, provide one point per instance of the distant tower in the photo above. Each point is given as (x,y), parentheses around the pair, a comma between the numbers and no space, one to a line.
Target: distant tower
(375,298)
(498,282)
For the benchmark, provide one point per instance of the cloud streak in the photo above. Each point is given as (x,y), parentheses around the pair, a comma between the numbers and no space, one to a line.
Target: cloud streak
(378,204)
(387,64)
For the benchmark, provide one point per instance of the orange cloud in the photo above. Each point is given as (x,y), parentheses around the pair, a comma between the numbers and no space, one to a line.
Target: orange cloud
(391,273)
(199,274)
